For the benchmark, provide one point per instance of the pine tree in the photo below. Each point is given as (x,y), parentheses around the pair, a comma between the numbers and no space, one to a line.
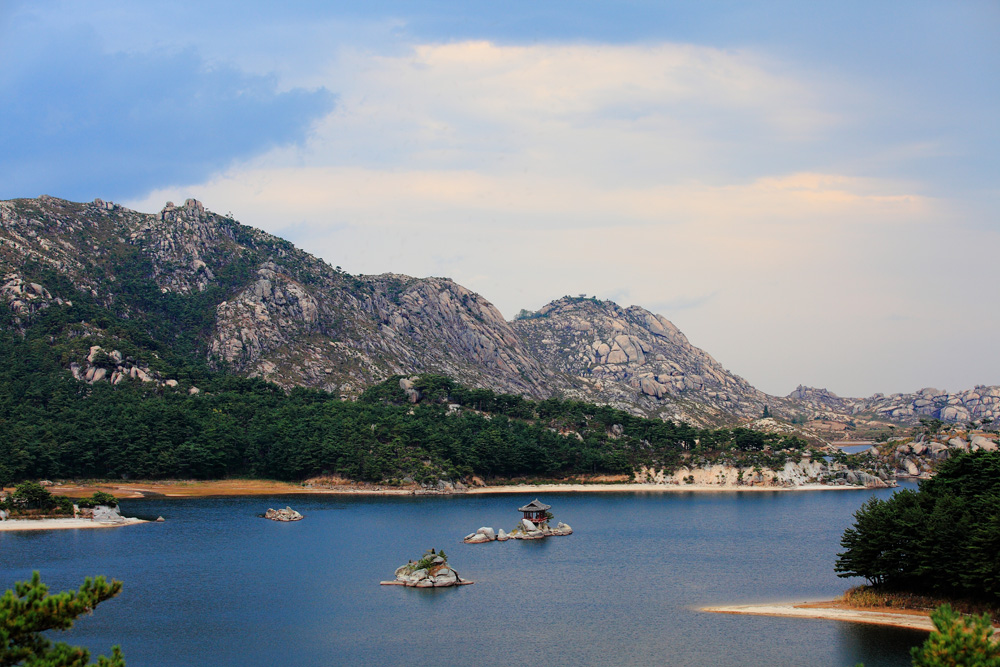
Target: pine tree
(28,611)
(958,641)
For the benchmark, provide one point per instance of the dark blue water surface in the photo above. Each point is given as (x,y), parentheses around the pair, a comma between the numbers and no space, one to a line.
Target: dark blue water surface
(216,585)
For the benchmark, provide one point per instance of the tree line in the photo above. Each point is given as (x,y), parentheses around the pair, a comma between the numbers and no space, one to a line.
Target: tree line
(943,539)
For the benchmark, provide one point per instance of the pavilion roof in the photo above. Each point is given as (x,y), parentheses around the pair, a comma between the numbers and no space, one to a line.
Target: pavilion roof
(534,506)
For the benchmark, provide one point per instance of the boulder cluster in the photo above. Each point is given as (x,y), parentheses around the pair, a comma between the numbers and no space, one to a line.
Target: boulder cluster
(919,457)
(524,530)
(982,402)
(113,366)
(287,514)
(431,571)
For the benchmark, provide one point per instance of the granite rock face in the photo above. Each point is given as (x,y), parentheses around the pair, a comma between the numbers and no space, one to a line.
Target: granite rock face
(972,405)
(919,458)
(634,359)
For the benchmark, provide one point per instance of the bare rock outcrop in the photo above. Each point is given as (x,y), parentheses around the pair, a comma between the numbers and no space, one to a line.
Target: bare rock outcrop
(630,357)
(972,405)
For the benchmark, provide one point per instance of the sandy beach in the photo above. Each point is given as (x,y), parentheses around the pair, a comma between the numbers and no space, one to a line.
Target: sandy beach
(834,611)
(63,524)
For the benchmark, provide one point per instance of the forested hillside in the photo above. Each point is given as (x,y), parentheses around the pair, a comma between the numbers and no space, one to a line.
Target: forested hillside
(210,424)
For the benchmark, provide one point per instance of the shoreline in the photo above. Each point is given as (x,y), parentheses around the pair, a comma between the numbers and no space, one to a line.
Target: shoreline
(651,488)
(833,610)
(207,488)
(11,525)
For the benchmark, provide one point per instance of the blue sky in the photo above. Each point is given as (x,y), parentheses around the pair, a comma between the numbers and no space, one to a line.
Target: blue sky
(808,190)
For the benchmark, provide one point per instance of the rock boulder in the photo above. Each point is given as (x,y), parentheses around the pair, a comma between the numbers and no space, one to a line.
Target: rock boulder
(287,514)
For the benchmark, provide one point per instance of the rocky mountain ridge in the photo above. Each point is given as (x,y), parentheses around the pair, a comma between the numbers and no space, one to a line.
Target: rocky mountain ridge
(972,405)
(197,286)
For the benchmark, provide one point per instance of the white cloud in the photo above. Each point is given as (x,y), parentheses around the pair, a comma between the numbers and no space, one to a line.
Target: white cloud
(661,174)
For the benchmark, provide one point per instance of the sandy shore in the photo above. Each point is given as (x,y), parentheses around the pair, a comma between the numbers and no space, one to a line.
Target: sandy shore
(63,524)
(834,611)
(256,487)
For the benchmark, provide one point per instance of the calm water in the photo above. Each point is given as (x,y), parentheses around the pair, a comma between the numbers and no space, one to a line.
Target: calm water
(216,585)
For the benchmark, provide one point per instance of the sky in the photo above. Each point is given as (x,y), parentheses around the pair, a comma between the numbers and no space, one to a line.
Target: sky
(808,190)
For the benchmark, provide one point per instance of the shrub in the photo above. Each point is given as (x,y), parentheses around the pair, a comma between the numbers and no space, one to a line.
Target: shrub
(99,498)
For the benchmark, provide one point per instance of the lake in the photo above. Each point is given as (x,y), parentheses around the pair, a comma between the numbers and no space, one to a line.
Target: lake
(216,585)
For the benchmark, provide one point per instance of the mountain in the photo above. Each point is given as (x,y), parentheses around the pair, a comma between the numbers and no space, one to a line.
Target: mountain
(170,296)
(598,351)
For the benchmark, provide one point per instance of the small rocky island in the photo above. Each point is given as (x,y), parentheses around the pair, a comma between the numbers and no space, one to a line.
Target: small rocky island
(287,514)
(534,525)
(431,571)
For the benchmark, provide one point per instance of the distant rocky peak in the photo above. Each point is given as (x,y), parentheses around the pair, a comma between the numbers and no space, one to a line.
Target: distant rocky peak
(192,209)
(628,356)
(803,392)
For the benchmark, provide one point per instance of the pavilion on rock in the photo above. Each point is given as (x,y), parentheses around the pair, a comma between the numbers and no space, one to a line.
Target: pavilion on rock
(535,511)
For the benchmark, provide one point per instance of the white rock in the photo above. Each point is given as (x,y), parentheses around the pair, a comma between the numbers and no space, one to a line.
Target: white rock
(488,532)
(979,442)
(445,577)
(528,526)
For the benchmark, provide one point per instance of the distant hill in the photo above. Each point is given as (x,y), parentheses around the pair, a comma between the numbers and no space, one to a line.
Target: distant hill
(972,405)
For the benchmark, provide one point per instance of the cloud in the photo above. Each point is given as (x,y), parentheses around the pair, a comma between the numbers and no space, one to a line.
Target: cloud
(656,173)
(80,122)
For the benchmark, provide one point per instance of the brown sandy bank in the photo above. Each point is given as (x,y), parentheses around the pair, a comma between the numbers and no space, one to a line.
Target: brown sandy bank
(834,611)
(257,487)
(202,488)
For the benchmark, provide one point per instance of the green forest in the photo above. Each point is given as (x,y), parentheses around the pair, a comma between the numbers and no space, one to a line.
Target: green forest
(943,539)
(52,425)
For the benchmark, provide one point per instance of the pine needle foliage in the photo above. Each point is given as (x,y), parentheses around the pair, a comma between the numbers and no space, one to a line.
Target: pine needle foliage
(29,610)
(958,641)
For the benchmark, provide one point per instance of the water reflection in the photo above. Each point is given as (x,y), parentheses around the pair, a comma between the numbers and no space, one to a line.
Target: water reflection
(888,648)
